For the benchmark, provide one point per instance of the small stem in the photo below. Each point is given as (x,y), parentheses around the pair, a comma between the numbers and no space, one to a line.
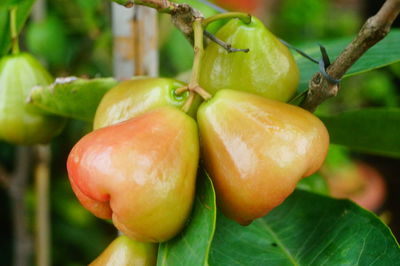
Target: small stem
(198,53)
(193,86)
(246,18)
(14,31)
(227,46)
(181,90)
(202,92)
(189,102)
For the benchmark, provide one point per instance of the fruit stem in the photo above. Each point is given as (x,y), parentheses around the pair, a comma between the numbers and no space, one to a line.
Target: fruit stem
(198,53)
(193,86)
(14,32)
(246,18)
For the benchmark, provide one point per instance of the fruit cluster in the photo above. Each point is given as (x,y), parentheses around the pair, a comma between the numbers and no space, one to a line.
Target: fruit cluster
(139,166)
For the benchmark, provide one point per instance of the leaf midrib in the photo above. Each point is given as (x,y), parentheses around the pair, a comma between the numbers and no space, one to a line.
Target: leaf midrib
(279,242)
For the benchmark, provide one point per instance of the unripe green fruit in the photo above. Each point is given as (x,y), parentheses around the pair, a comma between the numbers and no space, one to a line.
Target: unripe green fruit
(268,69)
(20,122)
(134,97)
(124,251)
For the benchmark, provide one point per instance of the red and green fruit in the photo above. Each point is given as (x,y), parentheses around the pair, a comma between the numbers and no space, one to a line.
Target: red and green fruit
(141,173)
(241,5)
(268,69)
(256,150)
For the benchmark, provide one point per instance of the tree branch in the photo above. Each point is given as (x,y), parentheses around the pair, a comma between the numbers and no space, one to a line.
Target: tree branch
(183,15)
(374,30)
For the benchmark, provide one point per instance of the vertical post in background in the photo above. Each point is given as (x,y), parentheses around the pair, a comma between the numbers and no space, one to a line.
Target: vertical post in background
(135,32)
(42,180)
(39,10)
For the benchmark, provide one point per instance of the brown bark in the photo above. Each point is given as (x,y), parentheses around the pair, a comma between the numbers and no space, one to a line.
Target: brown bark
(374,30)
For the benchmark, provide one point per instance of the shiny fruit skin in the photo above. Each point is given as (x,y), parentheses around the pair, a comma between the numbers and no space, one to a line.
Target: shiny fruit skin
(131,98)
(124,251)
(256,150)
(268,69)
(20,122)
(141,173)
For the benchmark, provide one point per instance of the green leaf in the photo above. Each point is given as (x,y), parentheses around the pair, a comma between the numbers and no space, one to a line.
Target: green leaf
(307,229)
(23,10)
(72,97)
(315,183)
(192,246)
(373,130)
(384,53)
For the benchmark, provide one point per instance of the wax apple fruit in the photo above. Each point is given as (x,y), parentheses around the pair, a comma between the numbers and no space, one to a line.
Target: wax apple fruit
(241,5)
(124,251)
(256,150)
(268,69)
(137,96)
(21,122)
(141,173)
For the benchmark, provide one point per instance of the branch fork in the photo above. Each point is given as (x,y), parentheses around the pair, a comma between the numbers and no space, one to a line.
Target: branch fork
(374,30)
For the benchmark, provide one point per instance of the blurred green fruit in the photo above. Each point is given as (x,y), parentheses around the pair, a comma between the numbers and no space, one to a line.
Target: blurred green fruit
(21,122)
(48,39)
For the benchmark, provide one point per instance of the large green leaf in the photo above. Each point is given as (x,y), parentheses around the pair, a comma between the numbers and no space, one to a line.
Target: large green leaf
(374,130)
(23,10)
(192,246)
(307,229)
(384,53)
(72,97)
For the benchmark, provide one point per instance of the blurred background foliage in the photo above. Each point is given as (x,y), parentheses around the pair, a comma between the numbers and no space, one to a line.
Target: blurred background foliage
(75,38)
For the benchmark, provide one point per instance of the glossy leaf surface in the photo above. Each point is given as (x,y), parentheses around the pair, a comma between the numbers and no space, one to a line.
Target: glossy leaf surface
(307,229)
(373,130)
